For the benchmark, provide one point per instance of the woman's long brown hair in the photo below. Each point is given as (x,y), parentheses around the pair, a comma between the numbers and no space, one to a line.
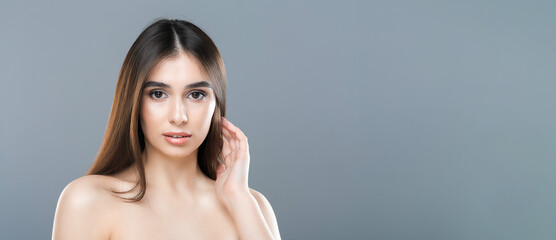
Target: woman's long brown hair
(124,141)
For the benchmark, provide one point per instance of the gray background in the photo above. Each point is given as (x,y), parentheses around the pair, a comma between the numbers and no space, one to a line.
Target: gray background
(366,119)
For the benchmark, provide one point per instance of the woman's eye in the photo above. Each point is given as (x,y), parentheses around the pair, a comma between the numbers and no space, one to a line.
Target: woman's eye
(198,95)
(157,94)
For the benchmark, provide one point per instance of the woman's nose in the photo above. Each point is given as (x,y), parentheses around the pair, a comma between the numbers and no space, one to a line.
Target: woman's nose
(178,115)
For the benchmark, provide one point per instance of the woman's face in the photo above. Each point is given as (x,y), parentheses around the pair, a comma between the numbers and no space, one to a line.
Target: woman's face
(177,98)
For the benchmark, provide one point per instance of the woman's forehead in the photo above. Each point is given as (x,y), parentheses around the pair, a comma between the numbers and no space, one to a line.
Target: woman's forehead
(179,71)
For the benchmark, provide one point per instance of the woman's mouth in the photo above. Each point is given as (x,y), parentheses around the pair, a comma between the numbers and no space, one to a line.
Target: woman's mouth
(177,138)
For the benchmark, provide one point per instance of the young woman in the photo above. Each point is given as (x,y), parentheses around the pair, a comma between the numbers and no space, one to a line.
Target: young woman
(170,166)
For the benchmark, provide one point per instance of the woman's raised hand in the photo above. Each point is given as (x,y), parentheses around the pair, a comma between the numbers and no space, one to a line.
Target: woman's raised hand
(231,177)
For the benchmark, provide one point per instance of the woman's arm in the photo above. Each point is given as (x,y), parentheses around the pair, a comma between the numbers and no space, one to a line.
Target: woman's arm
(250,210)
(250,220)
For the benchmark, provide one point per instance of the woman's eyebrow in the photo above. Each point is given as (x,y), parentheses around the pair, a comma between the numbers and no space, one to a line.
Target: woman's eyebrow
(164,85)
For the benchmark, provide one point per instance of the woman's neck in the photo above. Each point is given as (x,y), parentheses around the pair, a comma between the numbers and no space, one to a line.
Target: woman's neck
(173,177)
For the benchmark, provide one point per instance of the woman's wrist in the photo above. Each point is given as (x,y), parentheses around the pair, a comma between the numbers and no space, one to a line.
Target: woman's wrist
(237,199)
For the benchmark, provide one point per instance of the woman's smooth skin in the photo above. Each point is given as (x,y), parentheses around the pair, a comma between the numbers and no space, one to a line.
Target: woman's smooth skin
(181,202)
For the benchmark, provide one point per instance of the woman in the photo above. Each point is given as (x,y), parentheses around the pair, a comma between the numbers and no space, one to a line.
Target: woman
(170,166)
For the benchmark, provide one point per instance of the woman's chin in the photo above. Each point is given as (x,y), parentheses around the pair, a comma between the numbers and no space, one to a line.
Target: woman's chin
(179,153)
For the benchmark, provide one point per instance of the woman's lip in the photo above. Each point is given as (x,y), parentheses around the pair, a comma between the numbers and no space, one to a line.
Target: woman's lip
(177,141)
(177,134)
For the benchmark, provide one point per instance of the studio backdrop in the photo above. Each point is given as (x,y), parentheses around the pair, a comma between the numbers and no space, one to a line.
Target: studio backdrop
(365,119)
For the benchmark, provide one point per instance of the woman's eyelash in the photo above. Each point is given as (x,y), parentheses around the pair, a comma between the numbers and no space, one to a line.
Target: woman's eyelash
(156,91)
(202,93)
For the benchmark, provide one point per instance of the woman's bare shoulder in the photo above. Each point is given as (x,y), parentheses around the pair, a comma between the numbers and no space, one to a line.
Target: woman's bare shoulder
(92,188)
(267,211)
(83,208)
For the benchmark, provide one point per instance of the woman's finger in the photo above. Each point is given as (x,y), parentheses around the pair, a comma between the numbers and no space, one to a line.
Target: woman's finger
(234,140)
(226,133)
(237,133)
(226,150)
(233,145)
(241,143)
(229,137)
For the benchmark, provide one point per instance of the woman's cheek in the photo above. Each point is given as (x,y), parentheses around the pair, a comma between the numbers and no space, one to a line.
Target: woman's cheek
(149,112)
(209,112)
(204,112)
